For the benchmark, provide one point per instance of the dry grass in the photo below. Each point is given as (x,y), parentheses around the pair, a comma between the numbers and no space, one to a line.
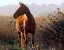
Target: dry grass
(49,32)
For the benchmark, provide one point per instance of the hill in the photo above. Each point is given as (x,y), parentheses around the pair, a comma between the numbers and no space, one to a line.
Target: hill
(35,9)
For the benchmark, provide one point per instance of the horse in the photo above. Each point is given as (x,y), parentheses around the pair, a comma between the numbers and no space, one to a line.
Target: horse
(30,24)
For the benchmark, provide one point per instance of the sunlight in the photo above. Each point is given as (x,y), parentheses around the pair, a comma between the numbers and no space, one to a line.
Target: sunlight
(20,19)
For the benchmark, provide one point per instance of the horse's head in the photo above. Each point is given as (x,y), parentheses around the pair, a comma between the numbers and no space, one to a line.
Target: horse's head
(21,10)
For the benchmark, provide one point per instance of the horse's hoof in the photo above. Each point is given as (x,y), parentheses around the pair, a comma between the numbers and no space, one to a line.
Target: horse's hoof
(33,46)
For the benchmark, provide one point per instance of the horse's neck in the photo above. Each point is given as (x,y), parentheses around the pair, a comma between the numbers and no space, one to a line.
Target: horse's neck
(30,19)
(28,13)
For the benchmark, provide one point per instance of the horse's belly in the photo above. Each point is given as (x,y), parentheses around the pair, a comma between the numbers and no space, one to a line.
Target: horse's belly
(29,28)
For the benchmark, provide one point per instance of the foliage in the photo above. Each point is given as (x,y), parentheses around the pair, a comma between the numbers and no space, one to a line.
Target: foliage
(49,30)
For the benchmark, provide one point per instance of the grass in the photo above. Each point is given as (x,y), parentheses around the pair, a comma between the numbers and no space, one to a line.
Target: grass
(48,30)
(10,47)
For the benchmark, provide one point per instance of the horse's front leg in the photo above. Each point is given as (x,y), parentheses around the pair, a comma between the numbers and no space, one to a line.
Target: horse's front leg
(32,38)
(21,39)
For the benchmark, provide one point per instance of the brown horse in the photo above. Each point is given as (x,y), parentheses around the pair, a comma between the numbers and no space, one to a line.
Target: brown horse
(30,24)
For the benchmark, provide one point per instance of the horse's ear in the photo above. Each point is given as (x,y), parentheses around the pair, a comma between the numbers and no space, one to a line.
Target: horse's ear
(20,3)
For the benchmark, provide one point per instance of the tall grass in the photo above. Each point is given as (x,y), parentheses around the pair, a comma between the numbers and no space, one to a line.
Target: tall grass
(49,31)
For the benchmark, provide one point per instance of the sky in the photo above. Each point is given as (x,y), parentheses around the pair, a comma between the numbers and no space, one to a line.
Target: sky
(38,2)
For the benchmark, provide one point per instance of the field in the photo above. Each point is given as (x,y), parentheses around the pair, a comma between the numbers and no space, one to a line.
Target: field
(49,32)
